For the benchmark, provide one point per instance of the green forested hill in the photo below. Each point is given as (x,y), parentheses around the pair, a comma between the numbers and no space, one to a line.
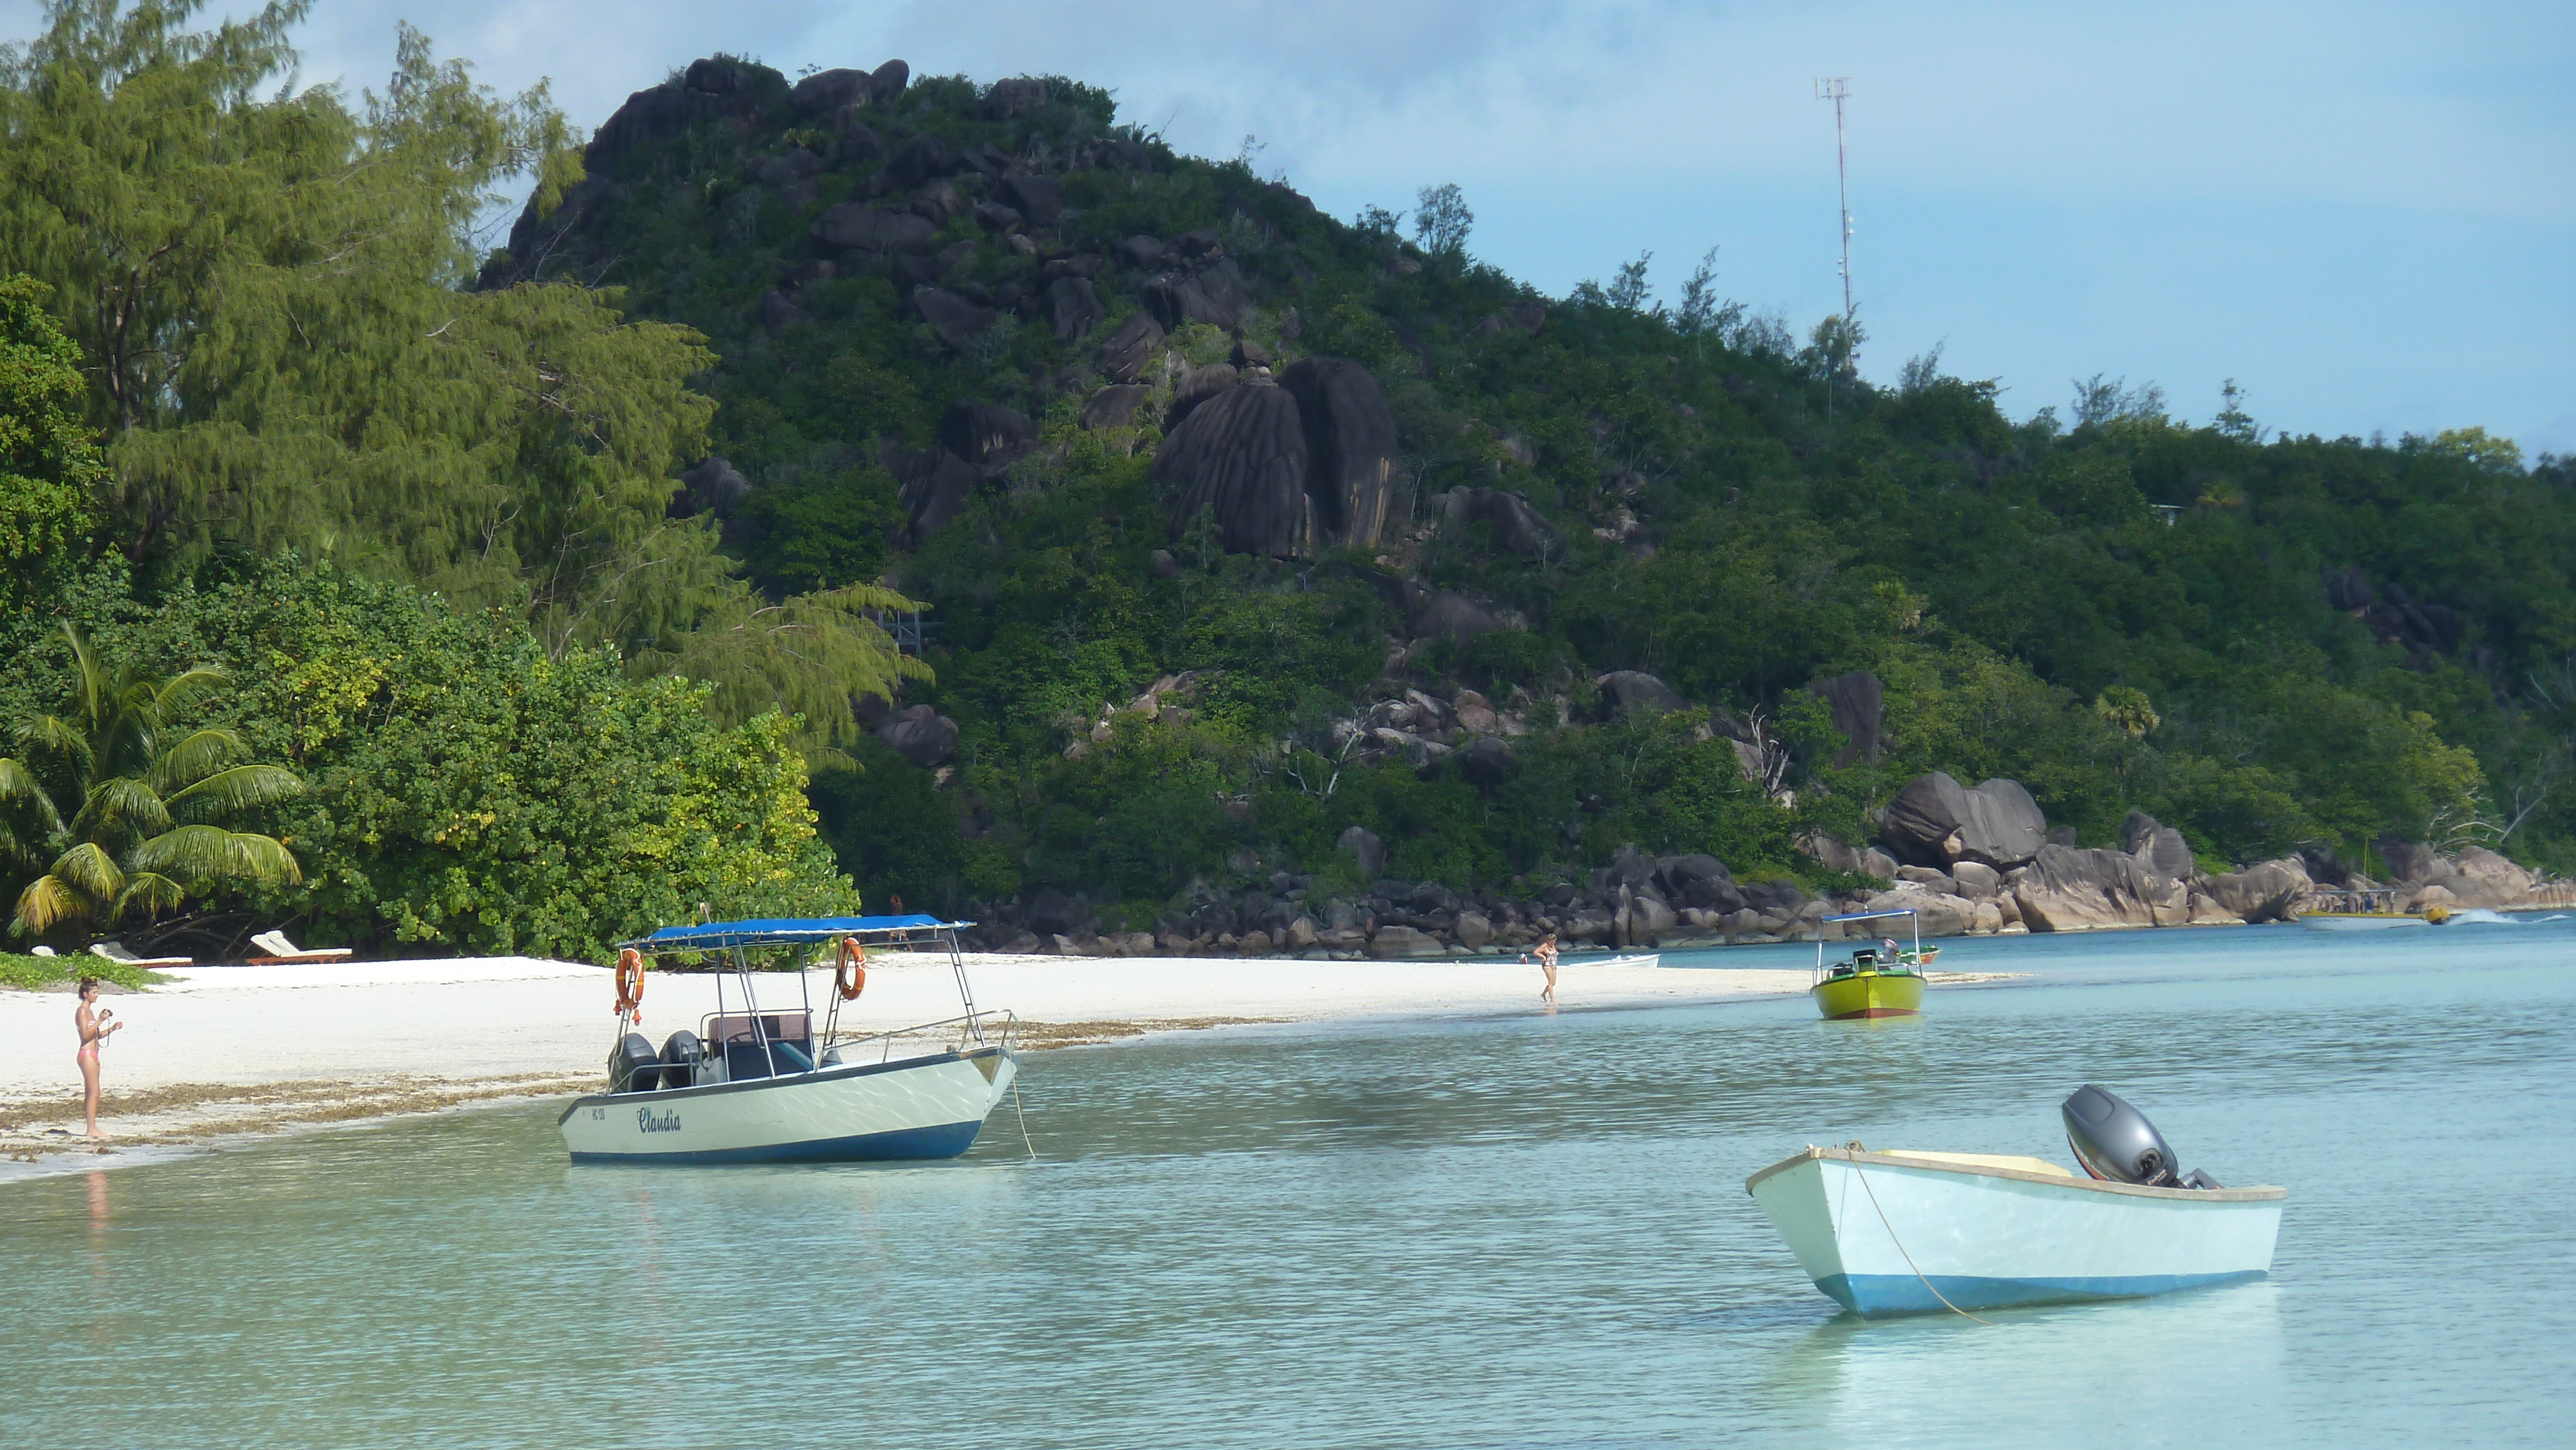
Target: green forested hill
(1239,526)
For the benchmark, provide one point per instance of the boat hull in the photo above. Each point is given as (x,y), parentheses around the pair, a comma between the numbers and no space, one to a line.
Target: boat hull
(1882,1234)
(1869,994)
(2357,921)
(921,1107)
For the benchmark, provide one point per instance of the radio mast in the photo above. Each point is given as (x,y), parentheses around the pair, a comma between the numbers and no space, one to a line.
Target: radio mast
(1837,89)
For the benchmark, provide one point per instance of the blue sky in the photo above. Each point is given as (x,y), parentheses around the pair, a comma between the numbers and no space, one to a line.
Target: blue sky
(2364,214)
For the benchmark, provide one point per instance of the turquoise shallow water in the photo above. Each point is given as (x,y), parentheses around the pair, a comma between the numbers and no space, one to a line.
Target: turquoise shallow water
(1528,1231)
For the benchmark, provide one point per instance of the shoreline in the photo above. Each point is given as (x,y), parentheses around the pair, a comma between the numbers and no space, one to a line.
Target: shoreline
(228,1054)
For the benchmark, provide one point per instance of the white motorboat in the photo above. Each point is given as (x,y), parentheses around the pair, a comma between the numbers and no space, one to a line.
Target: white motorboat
(761,1085)
(1909,1232)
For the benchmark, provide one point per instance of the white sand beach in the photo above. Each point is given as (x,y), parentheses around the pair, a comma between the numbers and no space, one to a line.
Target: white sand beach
(232,1050)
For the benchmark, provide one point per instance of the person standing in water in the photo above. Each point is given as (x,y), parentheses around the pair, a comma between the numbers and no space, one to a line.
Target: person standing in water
(1547,964)
(93,1025)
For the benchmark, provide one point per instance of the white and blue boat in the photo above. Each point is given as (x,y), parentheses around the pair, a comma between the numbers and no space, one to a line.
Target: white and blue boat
(1913,1232)
(761,1083)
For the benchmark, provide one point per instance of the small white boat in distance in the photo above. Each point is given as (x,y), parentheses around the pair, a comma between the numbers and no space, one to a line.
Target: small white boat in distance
(1910,1232)
(761,1085)
(1903,1232)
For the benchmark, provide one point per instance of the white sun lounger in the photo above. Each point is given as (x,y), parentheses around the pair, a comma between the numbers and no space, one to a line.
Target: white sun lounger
(277,948)
(116,952)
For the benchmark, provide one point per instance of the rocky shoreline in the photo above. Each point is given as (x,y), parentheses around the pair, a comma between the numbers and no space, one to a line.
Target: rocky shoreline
(1968,860)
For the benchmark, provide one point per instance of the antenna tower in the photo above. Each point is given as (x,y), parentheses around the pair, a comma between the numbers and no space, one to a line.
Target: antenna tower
(1837,89)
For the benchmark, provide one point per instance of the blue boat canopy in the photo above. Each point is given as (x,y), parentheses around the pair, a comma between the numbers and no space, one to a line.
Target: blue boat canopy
(786,931)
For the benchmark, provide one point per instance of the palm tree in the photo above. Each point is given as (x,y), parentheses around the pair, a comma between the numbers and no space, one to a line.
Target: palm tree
(130,820)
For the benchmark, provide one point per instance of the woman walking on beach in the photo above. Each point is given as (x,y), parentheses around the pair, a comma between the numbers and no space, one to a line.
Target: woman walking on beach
(94,1027)
(1547,964)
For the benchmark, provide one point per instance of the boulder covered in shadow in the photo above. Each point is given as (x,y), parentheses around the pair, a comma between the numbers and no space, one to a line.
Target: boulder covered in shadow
(1364,848)
(1935,821)
(1448,614)
(953,319)
(1072,308)
(1039,198)
(920,735)
(932,485)
(1859,705)
(1516,524)
(987,435)
(713,486)
(1487,763)
(1130,348)
(1113,406)
(1350,447)
(1636,692)
(875,229)
(1241,455)
(1214,293)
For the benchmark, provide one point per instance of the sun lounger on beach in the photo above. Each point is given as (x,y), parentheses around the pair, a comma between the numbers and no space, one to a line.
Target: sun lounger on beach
(278,949)
(116,952)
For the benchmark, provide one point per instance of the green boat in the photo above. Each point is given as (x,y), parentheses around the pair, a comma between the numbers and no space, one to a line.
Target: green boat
(1881,980)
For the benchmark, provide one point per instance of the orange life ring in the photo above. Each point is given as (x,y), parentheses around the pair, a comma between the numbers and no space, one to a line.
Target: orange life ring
(630,981)
(850,975)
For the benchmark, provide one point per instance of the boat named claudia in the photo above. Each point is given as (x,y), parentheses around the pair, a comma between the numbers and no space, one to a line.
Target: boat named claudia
(761,1085)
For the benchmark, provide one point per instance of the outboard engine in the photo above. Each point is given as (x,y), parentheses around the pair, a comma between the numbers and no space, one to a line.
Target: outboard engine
(633,1067)
(2115,1142)
(680,1056)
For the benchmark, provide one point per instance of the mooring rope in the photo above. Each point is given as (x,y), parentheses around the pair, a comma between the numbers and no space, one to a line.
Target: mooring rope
(1900,1246)
(1020,1108)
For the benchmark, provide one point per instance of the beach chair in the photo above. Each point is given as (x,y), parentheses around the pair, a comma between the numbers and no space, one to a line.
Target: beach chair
(277,948)
(115,951)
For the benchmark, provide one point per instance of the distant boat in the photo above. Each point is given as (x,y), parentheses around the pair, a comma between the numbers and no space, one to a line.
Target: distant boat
(1908,1232)
(1883,980)
(2377,920)
(761,1085)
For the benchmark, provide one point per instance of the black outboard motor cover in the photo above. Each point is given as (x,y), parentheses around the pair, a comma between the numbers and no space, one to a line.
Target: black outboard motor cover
(680,1054)
(2115,1142)
(633,1067)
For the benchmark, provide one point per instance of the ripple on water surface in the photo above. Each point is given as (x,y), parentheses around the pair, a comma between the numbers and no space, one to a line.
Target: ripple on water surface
(1520,1231)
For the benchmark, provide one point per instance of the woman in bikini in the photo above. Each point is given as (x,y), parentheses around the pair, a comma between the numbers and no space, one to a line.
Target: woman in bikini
(94,1026)
(1547,964)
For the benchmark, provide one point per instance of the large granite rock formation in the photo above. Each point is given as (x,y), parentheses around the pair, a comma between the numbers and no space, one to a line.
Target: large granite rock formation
(1292,469)
(2160,848)
(1350,448)
(1242,455)
(1935,821)
(2270,891)
(2066,889)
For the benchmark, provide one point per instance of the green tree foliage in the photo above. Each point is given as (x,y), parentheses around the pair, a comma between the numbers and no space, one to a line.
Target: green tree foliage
(129,803)
(470,792)
(49,463)
(2274,643)
(273,287)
